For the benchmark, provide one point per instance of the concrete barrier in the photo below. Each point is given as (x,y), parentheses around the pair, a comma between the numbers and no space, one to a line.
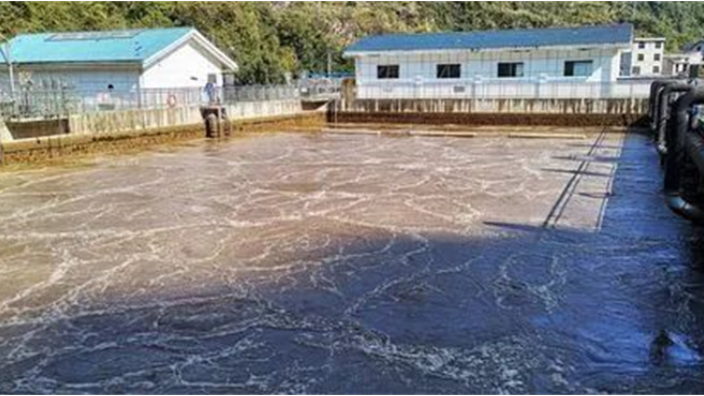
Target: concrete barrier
(482,119)
(32,128)
(51,148)
(98,123)
(523,106)
(5,135)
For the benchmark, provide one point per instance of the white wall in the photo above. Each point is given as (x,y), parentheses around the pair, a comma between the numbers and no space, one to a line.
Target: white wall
(81,79)
(186,67)
(417,73)
(649,52)
(87,88)
(484,65)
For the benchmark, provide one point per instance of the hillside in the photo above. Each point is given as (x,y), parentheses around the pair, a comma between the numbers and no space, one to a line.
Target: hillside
(269,39)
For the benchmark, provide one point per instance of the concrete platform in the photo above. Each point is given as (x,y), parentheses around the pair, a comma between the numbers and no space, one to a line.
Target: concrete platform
(314,263)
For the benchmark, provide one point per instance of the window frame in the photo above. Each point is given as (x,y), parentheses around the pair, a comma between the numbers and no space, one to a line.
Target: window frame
(450,68)
(513,69)
(389,75)
(656,69)
(573,63)
(656,57)
(640,57)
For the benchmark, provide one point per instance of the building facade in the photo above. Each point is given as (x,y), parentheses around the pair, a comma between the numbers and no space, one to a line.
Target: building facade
(119,63)
(554,62)
(647,56)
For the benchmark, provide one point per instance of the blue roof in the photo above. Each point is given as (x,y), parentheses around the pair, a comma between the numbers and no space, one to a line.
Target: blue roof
(135,45)
(495,39)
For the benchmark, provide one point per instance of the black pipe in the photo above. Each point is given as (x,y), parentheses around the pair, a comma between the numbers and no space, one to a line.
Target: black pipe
(684,209)
(663,110)
(654,87)
(677,137)
(653,100)
(694,144)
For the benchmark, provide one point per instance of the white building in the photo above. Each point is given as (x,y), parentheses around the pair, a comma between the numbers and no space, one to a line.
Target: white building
(677,65)
(647,56)
(680,64)
(118,63)
(523,63)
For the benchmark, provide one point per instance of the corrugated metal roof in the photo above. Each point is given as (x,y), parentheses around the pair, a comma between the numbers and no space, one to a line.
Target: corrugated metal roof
(495,39)
(134,45)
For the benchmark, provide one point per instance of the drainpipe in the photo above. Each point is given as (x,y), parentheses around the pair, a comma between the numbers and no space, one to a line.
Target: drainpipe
(678,136)
(663,108)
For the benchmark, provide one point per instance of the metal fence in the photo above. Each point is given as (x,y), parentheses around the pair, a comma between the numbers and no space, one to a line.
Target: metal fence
(502,89)
(315,89)
(63,101)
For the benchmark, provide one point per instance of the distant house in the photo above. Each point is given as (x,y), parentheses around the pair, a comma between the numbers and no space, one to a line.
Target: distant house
(647,56)
(678,65)
(453,64)
(681,64)
(117,60)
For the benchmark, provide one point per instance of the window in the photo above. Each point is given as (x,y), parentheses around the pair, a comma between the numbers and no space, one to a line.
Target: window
(636,71)
(511,69)
(656,69)
(641,57)
(212,78)
(386,71)
(641,45)
(658,45)
(656,57)
(578,68)
(449,71)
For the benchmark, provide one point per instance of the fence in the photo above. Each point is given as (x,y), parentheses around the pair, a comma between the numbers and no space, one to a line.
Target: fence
(314,89)
(62,101)
(505,89)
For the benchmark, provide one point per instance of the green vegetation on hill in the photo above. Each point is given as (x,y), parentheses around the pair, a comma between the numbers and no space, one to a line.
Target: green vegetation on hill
(269,39)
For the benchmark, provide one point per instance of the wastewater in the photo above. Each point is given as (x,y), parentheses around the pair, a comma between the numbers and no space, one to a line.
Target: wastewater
(293,263)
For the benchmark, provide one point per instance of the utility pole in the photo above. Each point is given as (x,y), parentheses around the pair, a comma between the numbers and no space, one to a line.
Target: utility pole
(6,53)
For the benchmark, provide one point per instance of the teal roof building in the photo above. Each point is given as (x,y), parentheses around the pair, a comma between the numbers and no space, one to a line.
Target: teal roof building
(115,60)
(115,46)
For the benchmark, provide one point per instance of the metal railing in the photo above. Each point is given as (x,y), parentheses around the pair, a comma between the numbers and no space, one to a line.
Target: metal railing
(502,89)
(63,101)
(314,89)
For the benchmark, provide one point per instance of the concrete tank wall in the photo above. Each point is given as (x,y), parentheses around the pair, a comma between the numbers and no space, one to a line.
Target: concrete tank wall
(524,106)
(5,135)
(135,120)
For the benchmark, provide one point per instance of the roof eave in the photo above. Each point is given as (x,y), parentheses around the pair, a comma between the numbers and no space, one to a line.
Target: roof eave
(136,63)
(353,53)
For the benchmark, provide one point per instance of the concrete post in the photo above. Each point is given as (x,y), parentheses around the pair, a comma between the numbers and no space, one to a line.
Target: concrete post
(5,135)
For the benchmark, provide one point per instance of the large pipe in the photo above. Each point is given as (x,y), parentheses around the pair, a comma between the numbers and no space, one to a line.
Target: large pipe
(694,144)
(677,138)
(663,110)
(684,209)
(653,100)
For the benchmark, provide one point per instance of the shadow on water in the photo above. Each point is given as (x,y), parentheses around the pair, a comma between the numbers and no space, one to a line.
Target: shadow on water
(531,309)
